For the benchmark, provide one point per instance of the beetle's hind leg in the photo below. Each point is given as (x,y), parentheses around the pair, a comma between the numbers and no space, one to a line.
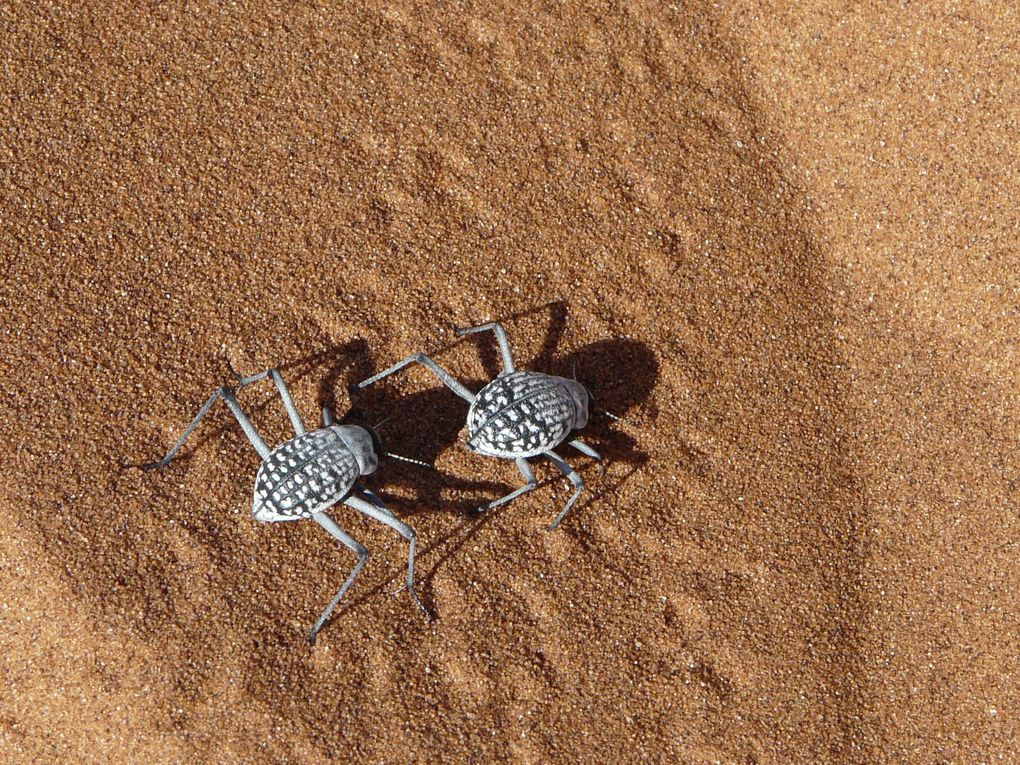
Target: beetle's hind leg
(575,479)
(532,483)
(497,329)
(369,509)
(281,386)
(246,425)
(352,544)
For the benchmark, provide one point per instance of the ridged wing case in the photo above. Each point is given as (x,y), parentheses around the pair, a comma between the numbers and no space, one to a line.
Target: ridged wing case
(520,414)
(304,476)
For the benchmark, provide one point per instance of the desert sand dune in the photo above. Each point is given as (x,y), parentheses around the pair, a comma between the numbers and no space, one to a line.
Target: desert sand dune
(781,242)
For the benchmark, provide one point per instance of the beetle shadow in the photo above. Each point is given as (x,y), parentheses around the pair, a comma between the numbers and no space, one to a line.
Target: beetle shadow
(422,426)
(626,371)
(621,375)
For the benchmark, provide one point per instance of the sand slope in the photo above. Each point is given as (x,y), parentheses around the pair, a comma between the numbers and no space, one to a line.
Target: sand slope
(783,243)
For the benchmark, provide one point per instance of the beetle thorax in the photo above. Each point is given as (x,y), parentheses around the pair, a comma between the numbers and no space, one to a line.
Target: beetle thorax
(361,445)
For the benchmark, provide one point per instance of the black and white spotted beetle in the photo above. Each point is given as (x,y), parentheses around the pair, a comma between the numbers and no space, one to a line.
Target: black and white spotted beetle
(310,473)
(517,416)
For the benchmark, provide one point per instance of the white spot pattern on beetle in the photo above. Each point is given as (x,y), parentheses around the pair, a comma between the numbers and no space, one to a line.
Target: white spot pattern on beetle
(520,414)
(304,475)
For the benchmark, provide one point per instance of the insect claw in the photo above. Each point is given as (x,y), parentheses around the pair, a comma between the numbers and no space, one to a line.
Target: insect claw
(414,595)
(428,614)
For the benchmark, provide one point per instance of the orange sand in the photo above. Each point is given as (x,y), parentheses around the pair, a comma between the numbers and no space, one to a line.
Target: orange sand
(783,240)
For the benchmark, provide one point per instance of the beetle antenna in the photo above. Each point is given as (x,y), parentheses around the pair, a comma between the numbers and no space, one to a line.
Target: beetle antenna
(382,422)
(616,418)
(402,458)
(591,396)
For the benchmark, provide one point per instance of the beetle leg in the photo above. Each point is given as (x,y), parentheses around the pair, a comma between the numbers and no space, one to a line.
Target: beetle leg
(348,541)
(281,386)
(582,447)
(532,483)
(575,479)
(231,401)
(425,361)
(497,329)
(401,528)
(372,497)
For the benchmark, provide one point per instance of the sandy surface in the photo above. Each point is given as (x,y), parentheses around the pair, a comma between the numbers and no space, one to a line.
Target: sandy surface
(783,241)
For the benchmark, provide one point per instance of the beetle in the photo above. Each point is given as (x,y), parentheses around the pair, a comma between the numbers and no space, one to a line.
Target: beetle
(305,476)
(517,416)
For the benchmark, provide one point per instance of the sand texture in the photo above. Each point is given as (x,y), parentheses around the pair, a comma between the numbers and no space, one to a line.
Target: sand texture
(780,238)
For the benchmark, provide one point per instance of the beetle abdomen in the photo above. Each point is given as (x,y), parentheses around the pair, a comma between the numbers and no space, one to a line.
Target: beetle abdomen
(303,476)
(520,414)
